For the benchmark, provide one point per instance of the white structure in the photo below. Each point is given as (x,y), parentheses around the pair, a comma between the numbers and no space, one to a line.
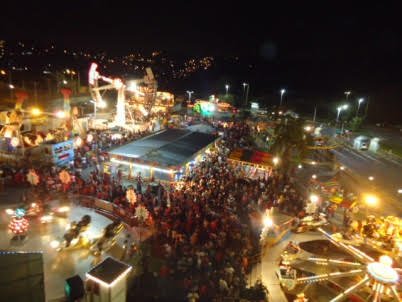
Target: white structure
(93,78)
(107,282)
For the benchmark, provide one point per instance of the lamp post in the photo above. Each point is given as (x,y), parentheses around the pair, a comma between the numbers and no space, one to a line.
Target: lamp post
(347,93)
(340,108)
(361,100)
(227,88)
(282,93)
(189,92)
(245,92)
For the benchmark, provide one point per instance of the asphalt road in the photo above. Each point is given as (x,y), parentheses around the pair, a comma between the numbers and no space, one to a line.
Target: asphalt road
(360,165)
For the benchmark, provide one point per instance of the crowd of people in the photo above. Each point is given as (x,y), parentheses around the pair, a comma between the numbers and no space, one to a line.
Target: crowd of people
(203,231)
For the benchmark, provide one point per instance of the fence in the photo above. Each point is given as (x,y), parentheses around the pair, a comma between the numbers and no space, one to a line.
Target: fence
(108,209)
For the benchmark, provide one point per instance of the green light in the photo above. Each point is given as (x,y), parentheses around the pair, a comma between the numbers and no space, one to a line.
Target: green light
(67,289)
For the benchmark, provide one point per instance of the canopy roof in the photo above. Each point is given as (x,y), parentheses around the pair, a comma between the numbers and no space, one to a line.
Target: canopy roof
(171,147)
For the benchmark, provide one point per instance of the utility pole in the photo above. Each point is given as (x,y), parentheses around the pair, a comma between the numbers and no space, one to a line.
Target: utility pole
(247,90)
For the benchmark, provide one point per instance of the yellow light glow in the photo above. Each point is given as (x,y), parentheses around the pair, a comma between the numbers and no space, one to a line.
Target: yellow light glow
(63,209)
(36,111)
(371,200)
(275,160)
(268,222)
(314,176)
(46,219)
(371,178)
(141,166)
(308,128)
(54,244)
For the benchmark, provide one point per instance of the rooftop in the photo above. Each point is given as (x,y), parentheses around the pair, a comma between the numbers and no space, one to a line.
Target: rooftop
(109,270)
(169,147)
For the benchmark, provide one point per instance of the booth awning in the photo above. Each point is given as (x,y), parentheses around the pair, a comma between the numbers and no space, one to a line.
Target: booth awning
(251,157)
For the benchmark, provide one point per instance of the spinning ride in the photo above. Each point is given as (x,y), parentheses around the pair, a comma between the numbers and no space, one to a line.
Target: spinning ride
(378,277)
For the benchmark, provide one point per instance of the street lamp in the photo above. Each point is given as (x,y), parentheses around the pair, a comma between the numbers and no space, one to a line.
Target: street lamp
(282,93)
(361,100)
(340,108)
(189,92)
(227,88)
(245,92)
(347,93)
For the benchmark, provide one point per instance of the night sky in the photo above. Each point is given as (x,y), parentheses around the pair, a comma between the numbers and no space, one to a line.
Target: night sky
(316,51)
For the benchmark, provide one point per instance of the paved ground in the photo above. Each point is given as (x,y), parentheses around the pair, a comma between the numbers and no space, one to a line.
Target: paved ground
(64,264)
(387,178)
(269,264)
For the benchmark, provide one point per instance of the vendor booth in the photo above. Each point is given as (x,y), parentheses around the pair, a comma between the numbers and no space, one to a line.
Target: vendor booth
(252,163)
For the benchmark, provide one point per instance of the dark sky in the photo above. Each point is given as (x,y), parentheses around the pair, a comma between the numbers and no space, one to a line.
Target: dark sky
(297,29)
(310,46)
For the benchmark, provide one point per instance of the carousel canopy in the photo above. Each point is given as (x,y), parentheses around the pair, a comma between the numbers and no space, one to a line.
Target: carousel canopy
(171,147)
(253,157)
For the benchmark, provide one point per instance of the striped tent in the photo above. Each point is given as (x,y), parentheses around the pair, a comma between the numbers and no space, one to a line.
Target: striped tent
(251,157)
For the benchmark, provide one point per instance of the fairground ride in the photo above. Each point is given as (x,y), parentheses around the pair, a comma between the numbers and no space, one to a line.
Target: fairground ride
(136,100)
(377,277)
